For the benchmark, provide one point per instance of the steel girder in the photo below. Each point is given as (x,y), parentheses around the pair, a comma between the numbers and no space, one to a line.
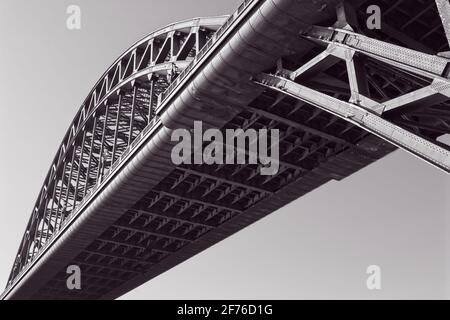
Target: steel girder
(352,48)
(198,202)
(121,110)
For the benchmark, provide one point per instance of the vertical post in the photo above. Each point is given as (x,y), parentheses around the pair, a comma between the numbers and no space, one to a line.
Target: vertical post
(116,132)
(69,183)
(133,111)
(359,85)
(41,229)
(22,250)
(150,106)
(50,214)
(153,53)
(102,146)
(80,164)
(37,236)
(175,47)
(200,40)
(60,195)
(88,170)
(29,242)
(35,223)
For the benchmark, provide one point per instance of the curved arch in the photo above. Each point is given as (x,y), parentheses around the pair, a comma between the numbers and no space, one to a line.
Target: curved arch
(119,107)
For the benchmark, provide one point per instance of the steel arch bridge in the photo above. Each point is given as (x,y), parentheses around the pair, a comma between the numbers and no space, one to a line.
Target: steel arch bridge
(341,95)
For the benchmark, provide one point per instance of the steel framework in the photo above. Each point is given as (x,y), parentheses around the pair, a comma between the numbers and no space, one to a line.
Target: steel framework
(362,110)
(341,96)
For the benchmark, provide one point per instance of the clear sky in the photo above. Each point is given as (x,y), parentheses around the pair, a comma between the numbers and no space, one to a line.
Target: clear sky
(393,214)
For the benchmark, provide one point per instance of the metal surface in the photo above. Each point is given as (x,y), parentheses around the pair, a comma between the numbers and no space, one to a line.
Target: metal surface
(114,203)
(373,123)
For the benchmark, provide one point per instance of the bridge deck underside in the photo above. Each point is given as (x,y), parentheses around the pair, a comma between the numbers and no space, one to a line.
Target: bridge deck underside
(186,209)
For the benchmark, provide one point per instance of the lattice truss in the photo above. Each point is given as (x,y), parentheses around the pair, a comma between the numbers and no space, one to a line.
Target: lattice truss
(118,109)
(193,200)
(397,93)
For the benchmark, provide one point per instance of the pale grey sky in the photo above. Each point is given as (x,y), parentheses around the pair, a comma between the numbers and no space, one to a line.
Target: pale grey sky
(393,214)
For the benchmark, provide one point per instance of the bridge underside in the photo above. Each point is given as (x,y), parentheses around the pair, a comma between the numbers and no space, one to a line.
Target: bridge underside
(150,215)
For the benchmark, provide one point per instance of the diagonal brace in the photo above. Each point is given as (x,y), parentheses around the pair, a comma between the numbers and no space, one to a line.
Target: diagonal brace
(371,122)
